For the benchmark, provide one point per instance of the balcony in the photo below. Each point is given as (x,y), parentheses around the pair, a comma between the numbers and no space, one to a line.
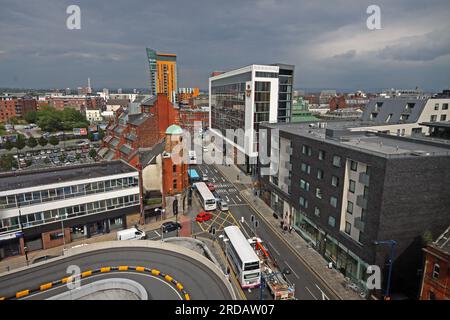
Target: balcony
(361,201)
(359,224)
(364,178)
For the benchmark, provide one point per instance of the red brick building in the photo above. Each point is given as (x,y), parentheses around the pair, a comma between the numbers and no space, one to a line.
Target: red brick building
(188,117)
(7,108)
(337,103)
(436,273)
(164,111)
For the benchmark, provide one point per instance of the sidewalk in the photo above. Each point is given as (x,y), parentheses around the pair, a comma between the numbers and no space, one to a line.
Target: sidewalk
(232,172)
(312,259)
(20,261)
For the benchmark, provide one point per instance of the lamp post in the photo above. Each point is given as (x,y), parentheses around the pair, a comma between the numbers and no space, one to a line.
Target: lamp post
(63,233)
(392,244)
(162,212)
(225,241)
(25,249)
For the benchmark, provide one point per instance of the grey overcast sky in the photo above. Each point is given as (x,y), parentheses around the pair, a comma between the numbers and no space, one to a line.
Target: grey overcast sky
(327,41)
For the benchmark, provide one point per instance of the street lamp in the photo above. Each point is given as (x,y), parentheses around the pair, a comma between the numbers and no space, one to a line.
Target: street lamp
(225,241)
(25,249)
(392,244)
(162,212)
(63,233)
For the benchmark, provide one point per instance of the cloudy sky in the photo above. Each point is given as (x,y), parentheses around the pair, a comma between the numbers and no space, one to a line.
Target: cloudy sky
(327,41)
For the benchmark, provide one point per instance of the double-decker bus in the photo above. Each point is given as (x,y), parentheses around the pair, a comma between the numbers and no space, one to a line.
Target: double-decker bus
(244,260)
(206,197)
(193,176)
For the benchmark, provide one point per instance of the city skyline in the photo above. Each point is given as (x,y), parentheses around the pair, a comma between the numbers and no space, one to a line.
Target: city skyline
(329,44)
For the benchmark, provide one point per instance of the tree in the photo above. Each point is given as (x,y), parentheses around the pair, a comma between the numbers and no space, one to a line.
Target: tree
(20,142)
(93,153)
(43,142)
(62,157)
(101,134)
(32,143)
(31,116)
(8,145)
(90,136)
(7,162)
(53,141)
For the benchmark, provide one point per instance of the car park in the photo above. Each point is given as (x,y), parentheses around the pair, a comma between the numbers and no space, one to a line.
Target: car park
(203,216)
(170,226)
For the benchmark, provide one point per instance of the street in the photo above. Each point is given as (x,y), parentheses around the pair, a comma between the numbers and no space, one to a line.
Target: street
(307,286)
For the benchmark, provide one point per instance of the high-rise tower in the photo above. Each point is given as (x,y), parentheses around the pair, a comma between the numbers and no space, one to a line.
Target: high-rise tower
(163,73)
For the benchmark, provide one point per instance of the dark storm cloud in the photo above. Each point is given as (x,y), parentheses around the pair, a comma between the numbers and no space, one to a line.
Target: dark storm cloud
(327,41)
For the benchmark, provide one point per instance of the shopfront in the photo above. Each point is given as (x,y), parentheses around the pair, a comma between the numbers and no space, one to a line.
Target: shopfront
(342,258)
(10,245)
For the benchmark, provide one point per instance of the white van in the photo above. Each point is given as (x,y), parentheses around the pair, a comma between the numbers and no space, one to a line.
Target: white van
(130,234)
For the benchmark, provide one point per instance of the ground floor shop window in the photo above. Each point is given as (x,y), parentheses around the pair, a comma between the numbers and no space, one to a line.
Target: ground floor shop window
(115,223)
(78,232)
(9,248)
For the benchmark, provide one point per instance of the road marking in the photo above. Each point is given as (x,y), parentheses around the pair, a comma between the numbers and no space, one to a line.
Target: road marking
(274,249)
(292,269)
(311,293)
(228,199)
(324,296)
(157,233)
(239,199)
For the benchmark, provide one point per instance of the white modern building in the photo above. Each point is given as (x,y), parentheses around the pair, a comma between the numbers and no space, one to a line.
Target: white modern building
(240,100)
(94,115)
(45,208)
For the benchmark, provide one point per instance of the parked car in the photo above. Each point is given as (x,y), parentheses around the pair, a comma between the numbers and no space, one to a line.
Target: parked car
(203,216)
(204,178)
(170,226)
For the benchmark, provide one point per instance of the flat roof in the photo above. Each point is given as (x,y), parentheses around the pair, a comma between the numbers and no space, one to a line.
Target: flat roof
(443,242)
(33,178)
(338,133)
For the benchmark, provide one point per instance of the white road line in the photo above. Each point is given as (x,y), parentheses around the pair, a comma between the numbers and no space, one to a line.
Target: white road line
(311,293)
(243,229)
(239,199)
(228,199)
(157,233)
(276,251)
(292,269)
(324,296)
(234,202)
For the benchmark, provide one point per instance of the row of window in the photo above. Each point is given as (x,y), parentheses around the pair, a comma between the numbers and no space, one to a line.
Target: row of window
(68,212)
(28,198)
(444,106)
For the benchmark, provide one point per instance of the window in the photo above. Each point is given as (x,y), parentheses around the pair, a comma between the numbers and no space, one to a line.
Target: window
(436,106)
(445,106)
(321,155)
(317,211)
(174,183)
(349,207)
(353,165)
(334,181)
(443,117)
(319,174)
(352,186)
(433,118)
(318,193)
(348,228)
(174,168)
(431,295)
(331,221)
(336,161)
(305,168)
(304,185)
(360,237)
(303,202)
(436,270)
(333,201)
(306,150)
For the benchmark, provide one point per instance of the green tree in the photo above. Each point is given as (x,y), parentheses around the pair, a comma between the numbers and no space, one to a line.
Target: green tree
(62,157)
(101,134)
(20,142)
(43,142)
(92,153)
(90,136)
(7,162)
(53,141)
(8,145)
(32,143)
(31,116)
(427,237)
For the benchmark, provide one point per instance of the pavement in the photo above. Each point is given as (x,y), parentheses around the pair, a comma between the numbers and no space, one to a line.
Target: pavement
(330,279)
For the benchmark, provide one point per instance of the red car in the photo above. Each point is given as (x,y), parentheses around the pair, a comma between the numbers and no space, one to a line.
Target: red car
(211,187)
(203,216)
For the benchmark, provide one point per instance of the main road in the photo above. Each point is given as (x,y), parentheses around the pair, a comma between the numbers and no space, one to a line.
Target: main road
(200,278)
(307,285)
